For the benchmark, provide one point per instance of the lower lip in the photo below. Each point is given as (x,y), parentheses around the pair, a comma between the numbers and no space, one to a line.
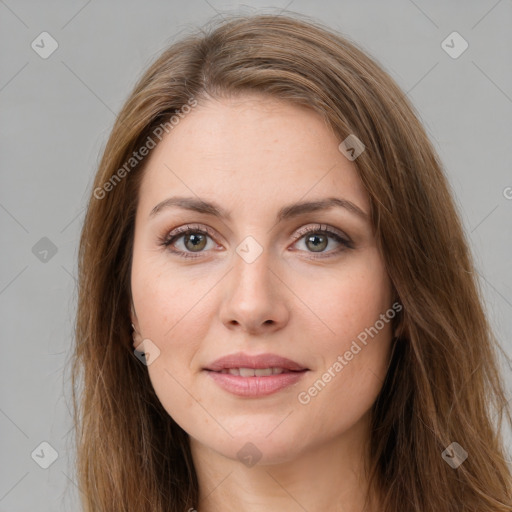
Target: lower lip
(255,386)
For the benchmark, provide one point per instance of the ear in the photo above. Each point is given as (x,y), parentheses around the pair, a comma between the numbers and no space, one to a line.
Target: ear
(137,338)
(133,317)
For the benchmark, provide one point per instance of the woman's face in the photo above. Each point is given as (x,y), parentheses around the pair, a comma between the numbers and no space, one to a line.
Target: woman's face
(251,280)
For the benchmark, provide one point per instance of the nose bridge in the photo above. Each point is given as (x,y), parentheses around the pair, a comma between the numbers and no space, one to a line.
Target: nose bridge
(253,299)
(252,274)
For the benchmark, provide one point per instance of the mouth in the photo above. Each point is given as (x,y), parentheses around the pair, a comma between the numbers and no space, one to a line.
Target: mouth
(256,372)
(255,376)
(270,364)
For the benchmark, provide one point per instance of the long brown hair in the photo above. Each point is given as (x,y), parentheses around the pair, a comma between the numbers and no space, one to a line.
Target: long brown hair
(443,384)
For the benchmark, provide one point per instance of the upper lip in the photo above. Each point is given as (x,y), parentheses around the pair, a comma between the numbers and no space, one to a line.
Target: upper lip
(241,360)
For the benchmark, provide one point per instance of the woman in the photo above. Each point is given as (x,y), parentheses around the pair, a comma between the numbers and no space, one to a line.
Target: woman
(277,307)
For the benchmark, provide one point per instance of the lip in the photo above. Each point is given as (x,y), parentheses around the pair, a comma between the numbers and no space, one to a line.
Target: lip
(242,360)
(255,386)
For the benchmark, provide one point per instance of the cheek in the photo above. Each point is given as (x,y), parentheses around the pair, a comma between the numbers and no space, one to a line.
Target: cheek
(165,298)
(353,338)
(174,311)
(348,300)
(171,314)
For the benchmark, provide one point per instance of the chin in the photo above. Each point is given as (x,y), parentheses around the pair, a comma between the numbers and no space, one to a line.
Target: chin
(250,446)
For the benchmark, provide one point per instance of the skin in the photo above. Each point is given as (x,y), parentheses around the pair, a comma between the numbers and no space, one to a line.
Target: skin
(253,155)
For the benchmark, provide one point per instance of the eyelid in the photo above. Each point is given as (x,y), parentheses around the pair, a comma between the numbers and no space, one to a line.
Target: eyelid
(321,228)
(167,239)
(168,236)
(297,235)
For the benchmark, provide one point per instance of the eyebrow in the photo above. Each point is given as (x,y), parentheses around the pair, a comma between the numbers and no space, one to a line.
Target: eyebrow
(200,205)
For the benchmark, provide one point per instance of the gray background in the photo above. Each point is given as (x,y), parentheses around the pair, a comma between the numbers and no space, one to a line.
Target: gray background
(56,114)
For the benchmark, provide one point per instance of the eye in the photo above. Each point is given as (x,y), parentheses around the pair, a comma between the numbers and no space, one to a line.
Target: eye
(195,240)
(316,240)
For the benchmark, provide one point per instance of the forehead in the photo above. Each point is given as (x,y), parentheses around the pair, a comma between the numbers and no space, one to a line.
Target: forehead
(250,151)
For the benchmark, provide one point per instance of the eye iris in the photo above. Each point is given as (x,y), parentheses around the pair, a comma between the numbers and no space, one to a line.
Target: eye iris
(198,242)
(321,246)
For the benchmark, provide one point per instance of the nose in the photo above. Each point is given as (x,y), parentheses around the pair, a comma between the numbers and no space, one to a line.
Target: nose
(256,298)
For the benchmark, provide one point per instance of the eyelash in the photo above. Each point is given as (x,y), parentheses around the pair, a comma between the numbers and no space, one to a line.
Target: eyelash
(168,239)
